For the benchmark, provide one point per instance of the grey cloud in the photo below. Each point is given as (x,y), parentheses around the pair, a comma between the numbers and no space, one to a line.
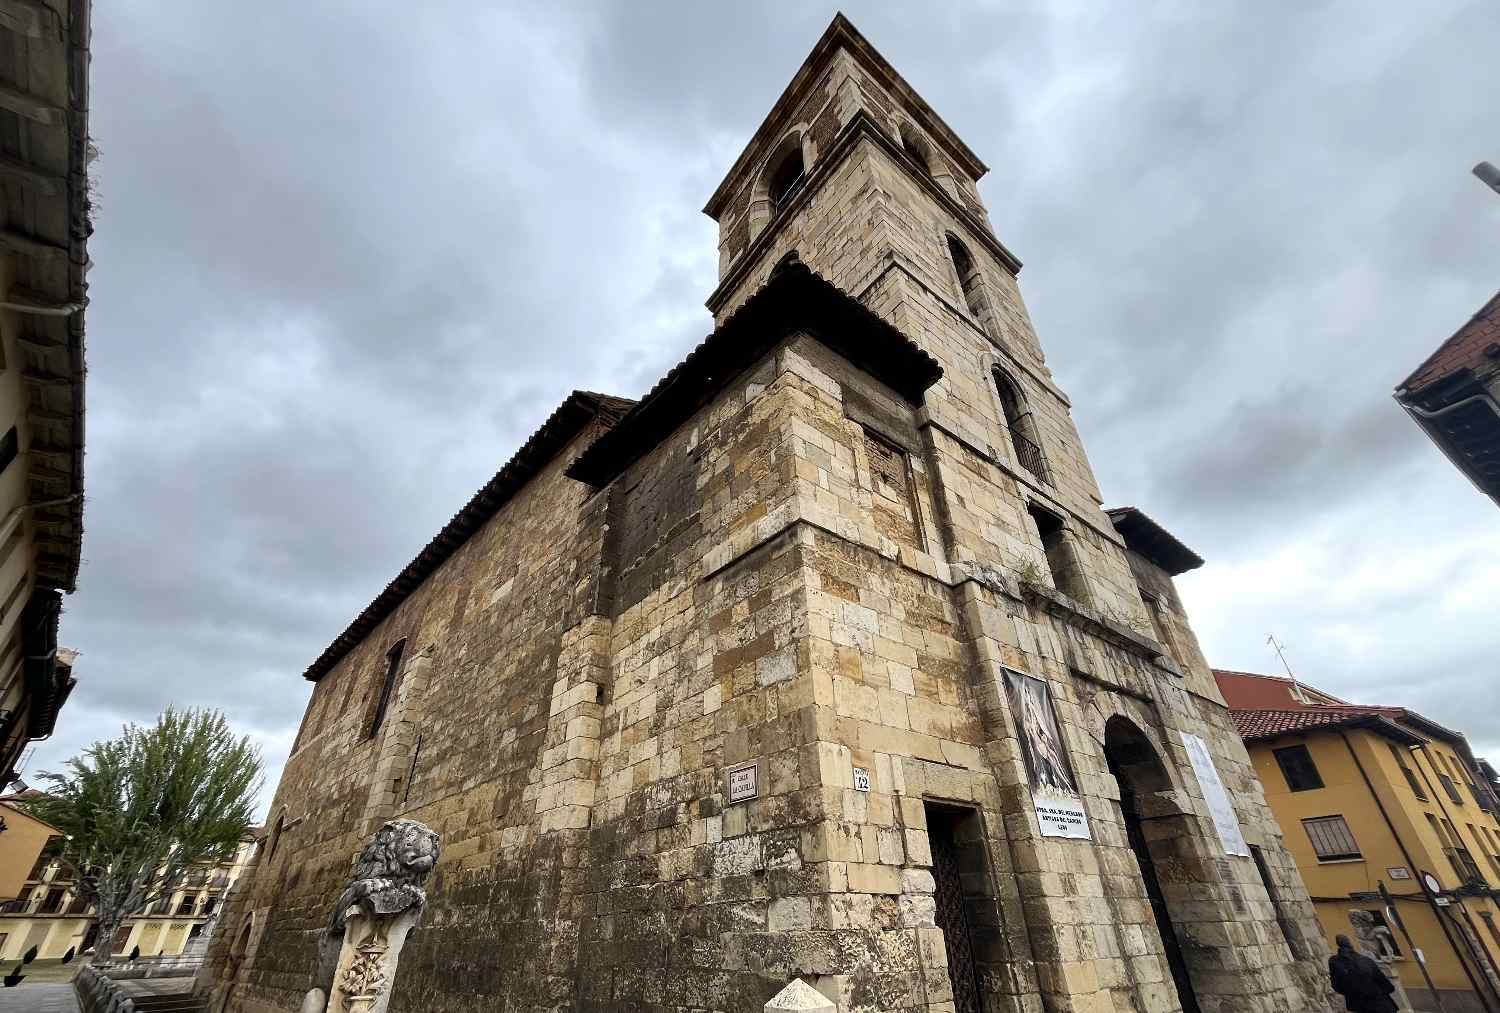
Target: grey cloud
(350,255)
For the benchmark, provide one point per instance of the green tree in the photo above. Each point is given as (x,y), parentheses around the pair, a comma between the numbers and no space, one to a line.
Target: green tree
(141,811)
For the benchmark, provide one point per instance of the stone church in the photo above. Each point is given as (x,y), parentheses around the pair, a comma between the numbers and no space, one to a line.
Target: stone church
(822,660)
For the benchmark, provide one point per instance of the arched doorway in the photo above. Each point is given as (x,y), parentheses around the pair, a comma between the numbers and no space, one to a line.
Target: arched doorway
(1134,762)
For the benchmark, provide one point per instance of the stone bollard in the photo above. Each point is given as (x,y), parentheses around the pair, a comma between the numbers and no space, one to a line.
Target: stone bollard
(799,997)
(382,904)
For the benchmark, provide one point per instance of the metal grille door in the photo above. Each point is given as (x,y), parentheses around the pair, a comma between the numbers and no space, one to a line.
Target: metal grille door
(953,920)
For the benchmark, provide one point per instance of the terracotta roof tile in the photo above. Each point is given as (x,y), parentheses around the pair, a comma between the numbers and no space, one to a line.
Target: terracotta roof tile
(1468,348)
(1256,725)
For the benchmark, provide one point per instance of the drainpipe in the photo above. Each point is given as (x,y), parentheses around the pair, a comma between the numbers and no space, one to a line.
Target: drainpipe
(1417,871)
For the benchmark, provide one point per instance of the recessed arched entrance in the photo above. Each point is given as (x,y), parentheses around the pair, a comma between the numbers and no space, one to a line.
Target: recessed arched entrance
(1138,768)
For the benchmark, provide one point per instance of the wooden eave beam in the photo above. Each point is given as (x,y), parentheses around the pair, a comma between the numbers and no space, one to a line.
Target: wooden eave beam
(32,107)
(49,415)
(46,183)
(28,18)
(22,243)
(43,473)
(37,376)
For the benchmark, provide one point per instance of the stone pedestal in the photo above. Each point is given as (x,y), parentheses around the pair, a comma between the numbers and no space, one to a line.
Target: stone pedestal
(371,920)
(367,963)
(799,997)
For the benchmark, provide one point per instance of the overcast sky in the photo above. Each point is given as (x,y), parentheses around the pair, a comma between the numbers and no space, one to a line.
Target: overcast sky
(349,255)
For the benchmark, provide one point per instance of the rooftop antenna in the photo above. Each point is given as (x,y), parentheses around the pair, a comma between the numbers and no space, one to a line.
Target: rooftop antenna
(1296,686)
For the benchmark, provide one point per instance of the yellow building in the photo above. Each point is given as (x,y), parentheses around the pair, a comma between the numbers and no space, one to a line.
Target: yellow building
(1381,797)
(22,838)
(48,913)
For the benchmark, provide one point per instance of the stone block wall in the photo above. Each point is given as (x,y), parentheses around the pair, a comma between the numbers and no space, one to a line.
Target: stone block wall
(816,576)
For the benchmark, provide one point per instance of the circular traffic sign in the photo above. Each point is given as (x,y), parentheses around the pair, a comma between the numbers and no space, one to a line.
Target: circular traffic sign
(1432,883)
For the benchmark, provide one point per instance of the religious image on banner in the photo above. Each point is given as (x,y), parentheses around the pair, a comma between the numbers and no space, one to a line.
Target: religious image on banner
(1054,792)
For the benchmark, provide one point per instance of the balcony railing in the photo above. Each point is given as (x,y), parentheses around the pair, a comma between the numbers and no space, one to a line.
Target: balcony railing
(1029,455)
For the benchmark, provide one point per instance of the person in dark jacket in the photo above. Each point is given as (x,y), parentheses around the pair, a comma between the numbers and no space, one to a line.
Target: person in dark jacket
(1360,980)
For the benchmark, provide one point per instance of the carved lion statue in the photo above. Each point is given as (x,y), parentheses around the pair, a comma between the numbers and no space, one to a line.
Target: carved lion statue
(387,880)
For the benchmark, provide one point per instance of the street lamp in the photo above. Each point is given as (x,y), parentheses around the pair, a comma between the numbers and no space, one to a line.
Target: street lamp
(1489,174)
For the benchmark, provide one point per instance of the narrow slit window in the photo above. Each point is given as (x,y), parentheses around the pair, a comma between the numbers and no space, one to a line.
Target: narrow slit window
(1061,563)
(392,669)
(1411,776)
(970,283)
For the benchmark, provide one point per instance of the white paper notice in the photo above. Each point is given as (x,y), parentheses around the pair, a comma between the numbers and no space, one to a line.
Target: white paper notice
(1215,795)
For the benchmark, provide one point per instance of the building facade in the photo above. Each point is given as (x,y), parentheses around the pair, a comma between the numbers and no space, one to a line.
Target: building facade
(48,913)
(22,840)
(1454,396)
(1372,797)
(822,660)
(44,230)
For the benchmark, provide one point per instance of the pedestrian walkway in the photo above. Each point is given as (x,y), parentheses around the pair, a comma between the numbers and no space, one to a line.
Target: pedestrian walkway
(38,997)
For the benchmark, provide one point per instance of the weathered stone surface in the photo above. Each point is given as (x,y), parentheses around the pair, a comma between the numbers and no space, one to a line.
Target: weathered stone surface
(810,573)
(799,997)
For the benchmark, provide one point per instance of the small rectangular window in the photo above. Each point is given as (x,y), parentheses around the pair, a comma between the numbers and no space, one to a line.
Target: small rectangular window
(1452,791)
(1298,768)
(1061,561)
(1160,622)
(1331,839)
(9,446)
(895,500)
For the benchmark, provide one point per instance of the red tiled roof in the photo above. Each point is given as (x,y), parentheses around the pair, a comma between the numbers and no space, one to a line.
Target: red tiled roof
(1253,691)
(1256,725)
(1468,348)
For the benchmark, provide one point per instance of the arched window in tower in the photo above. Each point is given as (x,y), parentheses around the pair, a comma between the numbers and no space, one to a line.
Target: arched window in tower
(916,147)
(1025,440)
(970,282)
(787,173)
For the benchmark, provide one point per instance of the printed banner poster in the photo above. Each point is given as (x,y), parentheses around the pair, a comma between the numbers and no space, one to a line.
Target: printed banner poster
(1054,792)
(1219,806)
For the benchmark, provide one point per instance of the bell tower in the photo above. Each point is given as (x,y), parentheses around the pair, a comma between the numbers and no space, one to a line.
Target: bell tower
(856,176)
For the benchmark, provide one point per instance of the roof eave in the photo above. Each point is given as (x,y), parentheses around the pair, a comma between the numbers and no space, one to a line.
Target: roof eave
(1148,538)
(794,300)
(577,410)
(55,482)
